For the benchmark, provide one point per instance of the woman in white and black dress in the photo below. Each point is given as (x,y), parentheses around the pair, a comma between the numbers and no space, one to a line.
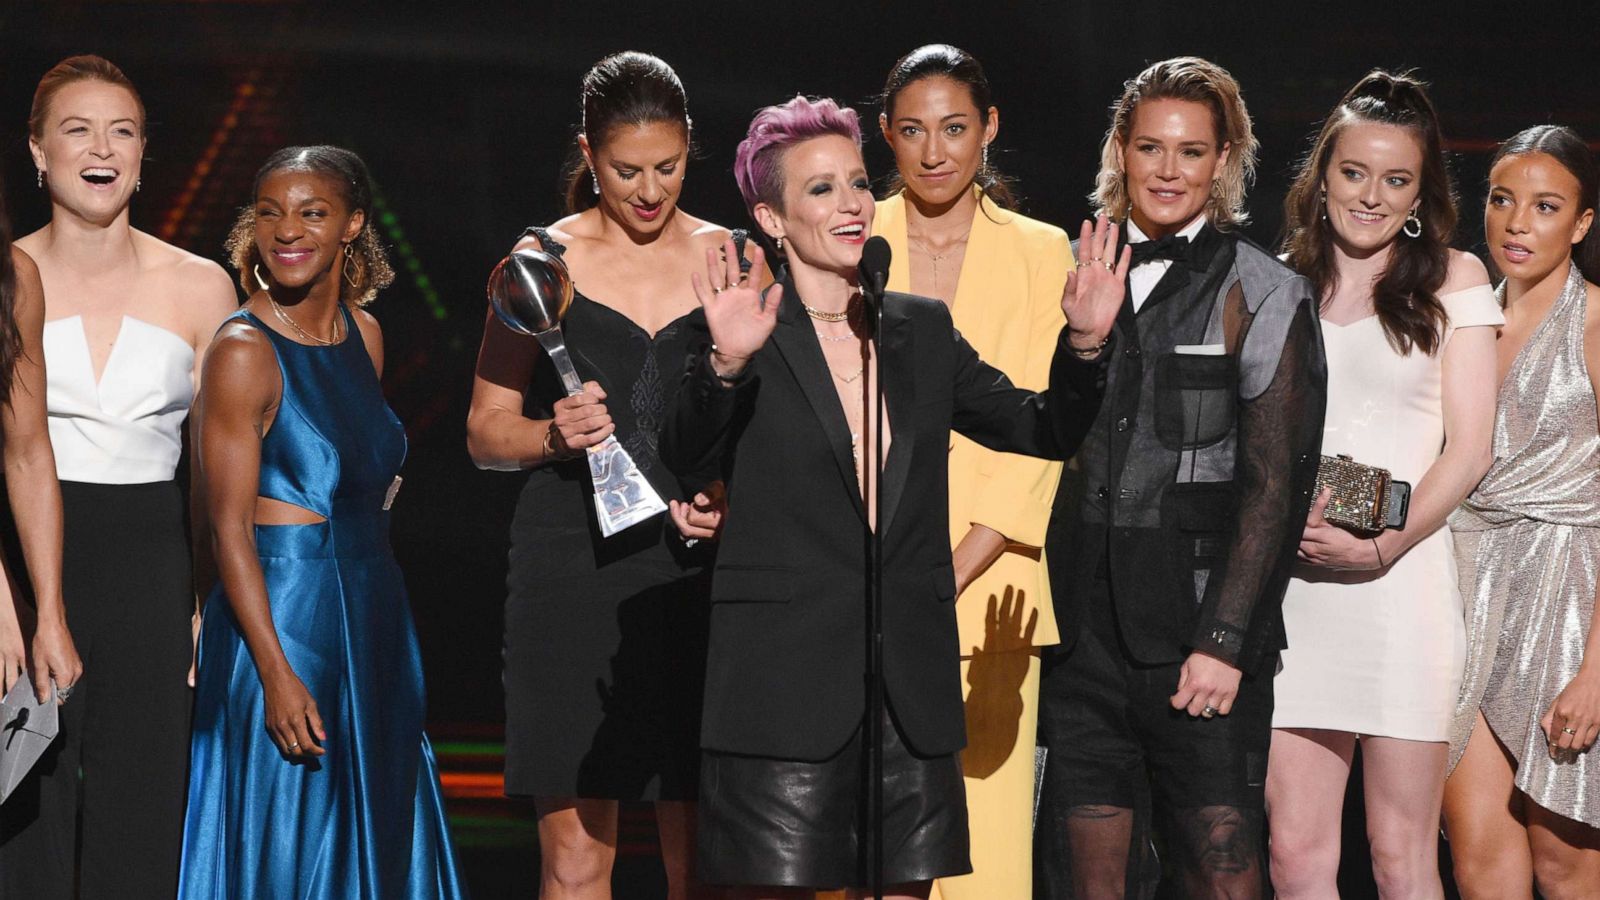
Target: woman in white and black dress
(128,322)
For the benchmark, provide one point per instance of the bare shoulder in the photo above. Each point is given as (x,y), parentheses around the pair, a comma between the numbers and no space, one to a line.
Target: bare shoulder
(1465,271)
(189,277)
(27,270)
(239,356)
(368,324)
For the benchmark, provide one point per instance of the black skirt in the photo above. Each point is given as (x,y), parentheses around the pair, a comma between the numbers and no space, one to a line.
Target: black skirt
(777,822)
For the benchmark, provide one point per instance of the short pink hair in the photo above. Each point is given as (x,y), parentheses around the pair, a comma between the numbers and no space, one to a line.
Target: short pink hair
(757,163)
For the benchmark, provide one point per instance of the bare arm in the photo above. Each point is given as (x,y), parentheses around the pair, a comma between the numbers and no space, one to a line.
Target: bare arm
(213,302)
(240,395)
(499,436)
(32,488)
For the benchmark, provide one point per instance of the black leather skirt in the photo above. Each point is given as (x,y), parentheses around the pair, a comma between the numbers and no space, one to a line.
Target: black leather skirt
(765,821)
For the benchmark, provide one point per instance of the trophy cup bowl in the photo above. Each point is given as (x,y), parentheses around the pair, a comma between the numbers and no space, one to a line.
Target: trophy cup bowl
(530,291)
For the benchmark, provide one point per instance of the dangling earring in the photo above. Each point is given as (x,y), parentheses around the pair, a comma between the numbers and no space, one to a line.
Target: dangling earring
(779,241)
(985,163)
(1322,197)
(255,269)
(351,269)
(137,184)
(38,177)
(1413,226)
(594,180)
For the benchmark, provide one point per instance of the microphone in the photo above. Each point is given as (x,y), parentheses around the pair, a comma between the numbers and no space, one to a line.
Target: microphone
(874,274)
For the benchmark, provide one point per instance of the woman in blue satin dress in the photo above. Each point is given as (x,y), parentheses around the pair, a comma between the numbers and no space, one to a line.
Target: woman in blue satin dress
(310,774)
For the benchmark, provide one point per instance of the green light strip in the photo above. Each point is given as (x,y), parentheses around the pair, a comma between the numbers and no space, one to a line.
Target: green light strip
(405,256)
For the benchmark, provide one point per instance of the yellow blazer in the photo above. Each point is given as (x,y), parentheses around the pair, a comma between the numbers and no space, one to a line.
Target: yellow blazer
(1008,306)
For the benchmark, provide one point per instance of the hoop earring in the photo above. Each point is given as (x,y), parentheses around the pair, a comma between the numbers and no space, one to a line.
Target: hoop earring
(255,269)
(1412,222)
(351,270)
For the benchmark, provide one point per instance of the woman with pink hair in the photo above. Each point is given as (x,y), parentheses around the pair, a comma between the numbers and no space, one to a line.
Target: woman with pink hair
(781,403)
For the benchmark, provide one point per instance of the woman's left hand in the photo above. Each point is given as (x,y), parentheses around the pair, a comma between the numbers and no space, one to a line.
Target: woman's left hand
(701,519)
(1331,547)
(1573,720)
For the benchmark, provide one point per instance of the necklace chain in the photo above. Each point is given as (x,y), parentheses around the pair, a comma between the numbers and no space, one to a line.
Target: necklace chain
(283,316)
(822,316)
(937,258)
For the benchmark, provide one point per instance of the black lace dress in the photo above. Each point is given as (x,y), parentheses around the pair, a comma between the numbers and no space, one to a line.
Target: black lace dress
(604,637)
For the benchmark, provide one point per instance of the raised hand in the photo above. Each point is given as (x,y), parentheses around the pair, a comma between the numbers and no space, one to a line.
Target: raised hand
(1094,292)
(739,319)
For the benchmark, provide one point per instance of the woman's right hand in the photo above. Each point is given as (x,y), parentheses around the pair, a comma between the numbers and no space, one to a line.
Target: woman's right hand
(292,717)
(739,318)
(581,421)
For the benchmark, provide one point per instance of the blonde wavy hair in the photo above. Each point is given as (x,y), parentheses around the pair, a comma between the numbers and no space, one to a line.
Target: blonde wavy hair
(1200,81)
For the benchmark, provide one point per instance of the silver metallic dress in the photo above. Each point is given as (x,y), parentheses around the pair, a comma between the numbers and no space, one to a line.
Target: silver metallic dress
(1528,549)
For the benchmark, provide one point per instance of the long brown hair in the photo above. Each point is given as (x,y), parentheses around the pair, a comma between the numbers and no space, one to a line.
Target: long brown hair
(1405,297)
(10,335)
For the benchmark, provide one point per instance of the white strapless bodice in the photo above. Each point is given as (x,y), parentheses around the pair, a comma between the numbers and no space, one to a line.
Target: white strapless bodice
(127,428)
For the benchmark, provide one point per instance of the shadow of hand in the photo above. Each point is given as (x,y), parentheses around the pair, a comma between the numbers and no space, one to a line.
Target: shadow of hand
(995,676)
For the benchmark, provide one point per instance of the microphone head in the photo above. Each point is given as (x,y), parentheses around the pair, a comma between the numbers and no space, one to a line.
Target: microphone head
(875,256)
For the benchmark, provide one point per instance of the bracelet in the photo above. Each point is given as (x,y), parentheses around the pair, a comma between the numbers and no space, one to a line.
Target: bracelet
(726,379)
(1090,353)
(550,442)
(1377,551)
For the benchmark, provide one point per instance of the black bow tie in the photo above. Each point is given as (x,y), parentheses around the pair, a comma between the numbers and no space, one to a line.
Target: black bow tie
(1170,247)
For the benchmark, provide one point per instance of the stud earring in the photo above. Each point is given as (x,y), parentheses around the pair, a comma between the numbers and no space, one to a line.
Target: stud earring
(255,269)
(1413,226)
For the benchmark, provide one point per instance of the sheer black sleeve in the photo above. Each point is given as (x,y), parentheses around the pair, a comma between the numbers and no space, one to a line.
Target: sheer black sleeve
(1280,437)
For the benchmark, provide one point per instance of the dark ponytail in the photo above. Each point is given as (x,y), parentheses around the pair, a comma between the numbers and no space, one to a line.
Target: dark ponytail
(1563,145)
(1406,297)
(945,61)
(10,334)
(628,88)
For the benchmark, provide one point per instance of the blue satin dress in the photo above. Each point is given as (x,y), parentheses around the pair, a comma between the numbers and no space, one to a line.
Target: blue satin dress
(366,820)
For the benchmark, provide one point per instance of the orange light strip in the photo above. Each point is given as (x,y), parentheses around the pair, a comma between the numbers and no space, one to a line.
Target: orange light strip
(197,177)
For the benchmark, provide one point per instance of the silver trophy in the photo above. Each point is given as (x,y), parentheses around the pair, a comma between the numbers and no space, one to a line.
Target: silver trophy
(530,291)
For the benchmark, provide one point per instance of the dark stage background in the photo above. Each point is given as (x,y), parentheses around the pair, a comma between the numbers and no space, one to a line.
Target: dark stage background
(465,113)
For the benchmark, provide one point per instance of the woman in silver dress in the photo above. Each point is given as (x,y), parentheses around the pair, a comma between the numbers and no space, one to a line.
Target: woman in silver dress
(1523,803)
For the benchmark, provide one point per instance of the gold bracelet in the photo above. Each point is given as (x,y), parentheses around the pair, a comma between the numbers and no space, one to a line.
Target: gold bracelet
(550,442)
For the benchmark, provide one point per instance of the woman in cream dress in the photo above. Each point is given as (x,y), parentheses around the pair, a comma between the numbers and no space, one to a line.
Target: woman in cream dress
(1374,624)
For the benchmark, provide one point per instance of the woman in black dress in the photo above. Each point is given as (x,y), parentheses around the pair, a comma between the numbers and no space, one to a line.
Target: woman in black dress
(605,636)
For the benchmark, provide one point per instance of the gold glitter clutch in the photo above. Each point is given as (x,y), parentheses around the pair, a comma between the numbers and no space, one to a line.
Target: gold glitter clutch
(1364,499)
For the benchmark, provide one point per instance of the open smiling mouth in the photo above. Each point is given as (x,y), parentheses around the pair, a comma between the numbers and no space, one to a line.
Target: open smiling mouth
(100,177)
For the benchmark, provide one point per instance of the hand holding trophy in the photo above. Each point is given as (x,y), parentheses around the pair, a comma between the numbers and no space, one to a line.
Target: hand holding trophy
(530,291)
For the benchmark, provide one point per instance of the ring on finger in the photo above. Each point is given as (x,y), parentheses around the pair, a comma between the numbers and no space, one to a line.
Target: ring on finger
(293,746)
(1209,712)
(1108,265)
(1570,731)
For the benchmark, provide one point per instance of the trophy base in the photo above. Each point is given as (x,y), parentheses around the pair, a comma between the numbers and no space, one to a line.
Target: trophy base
(623,497)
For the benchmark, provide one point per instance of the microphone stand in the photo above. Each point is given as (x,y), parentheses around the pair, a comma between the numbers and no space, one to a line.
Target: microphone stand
(873,294)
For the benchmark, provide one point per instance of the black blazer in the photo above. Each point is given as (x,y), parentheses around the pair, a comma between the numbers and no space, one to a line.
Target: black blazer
(788,627)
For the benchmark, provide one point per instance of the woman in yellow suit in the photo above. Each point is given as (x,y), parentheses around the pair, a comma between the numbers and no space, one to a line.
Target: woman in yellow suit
(1001,273)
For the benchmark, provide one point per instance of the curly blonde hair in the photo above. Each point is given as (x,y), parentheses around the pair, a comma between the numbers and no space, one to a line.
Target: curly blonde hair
(1200,81)
(368,270)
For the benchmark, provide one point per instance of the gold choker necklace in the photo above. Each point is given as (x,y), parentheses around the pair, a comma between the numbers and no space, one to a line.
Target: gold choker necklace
(822,316)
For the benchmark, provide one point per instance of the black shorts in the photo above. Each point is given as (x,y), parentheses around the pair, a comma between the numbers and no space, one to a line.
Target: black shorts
(1112,732)
(765,821)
